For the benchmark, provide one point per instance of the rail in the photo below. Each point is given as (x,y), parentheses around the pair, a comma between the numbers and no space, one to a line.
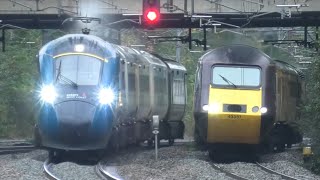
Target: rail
(47,166)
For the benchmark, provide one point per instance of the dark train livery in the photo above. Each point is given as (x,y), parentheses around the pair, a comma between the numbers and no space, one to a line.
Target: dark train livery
(242,98)
(97,95)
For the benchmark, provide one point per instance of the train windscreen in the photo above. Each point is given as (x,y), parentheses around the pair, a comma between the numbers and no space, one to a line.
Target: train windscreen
(77,70)
(233,76)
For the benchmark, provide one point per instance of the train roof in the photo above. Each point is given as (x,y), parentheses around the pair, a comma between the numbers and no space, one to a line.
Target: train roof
(288,67)
(152,59)
(67,41)
(171,63)
(235,54)
(243,54)
(79,37)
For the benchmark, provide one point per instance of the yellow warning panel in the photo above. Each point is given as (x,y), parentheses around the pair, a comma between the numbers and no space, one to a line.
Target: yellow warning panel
(234,127)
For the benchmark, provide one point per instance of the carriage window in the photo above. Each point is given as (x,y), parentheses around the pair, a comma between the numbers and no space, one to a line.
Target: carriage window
(77,69)
(178,93)
(236,76)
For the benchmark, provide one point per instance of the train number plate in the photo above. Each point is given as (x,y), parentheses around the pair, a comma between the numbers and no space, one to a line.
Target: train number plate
(234,116)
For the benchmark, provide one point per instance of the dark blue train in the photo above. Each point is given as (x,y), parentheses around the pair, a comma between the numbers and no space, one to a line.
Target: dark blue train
(96,95)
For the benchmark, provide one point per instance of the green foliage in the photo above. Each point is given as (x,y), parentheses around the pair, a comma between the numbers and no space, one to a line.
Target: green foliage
(315,165)
(310,120)
(228,37)
(18,72)
(129,38)
(312,107)
(190,61)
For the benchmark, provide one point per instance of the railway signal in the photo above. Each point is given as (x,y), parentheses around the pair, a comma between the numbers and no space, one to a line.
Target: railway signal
(151,11)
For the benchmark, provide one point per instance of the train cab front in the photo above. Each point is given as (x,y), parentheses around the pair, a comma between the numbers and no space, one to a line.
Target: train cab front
(235,105)
(77,100)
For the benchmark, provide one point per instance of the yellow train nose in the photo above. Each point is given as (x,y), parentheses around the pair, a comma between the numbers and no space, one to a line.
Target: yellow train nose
(233,128)
(234,116)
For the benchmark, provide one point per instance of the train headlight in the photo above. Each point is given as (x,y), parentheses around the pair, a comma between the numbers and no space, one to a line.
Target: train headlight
(48,94)
(263,110)
(205,107)
(211,108)
(214,107)
(79,48)
(106,96)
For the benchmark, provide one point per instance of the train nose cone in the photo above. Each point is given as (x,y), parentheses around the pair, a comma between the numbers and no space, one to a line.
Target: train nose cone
(72,134)
(75,120)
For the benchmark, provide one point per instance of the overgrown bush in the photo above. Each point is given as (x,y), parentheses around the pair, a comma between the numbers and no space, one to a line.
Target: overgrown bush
(311,119)
(18,77)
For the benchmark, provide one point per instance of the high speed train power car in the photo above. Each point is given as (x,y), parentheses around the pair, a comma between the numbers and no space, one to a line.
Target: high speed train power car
(97,95)
(243,98)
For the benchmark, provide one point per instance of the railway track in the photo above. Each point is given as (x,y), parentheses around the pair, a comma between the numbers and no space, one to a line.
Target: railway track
(17,141)
(283,176)
(228,173)
(102,173)
(16,149)
(99,170)
(47,170)
(263,168)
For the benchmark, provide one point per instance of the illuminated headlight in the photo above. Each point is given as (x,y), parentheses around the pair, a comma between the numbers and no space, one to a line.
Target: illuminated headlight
(48,94)
(79,48)
(263,110)
(211,108)
(205,107)
(106,96)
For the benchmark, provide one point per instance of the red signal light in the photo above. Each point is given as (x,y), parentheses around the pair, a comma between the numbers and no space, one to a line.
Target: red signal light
(151,12)
(152,15)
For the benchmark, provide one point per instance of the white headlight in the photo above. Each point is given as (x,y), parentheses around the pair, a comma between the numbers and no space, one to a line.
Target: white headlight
(106,96)
(205,107)
(211,108)
(79,48)
(48,94)
(214,107)
(263,110)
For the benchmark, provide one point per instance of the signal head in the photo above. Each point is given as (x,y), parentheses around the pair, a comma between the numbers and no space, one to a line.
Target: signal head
(152,15)
(151,11)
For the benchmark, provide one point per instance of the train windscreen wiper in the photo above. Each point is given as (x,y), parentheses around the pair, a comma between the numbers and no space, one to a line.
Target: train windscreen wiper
(228,81)
(65,79)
